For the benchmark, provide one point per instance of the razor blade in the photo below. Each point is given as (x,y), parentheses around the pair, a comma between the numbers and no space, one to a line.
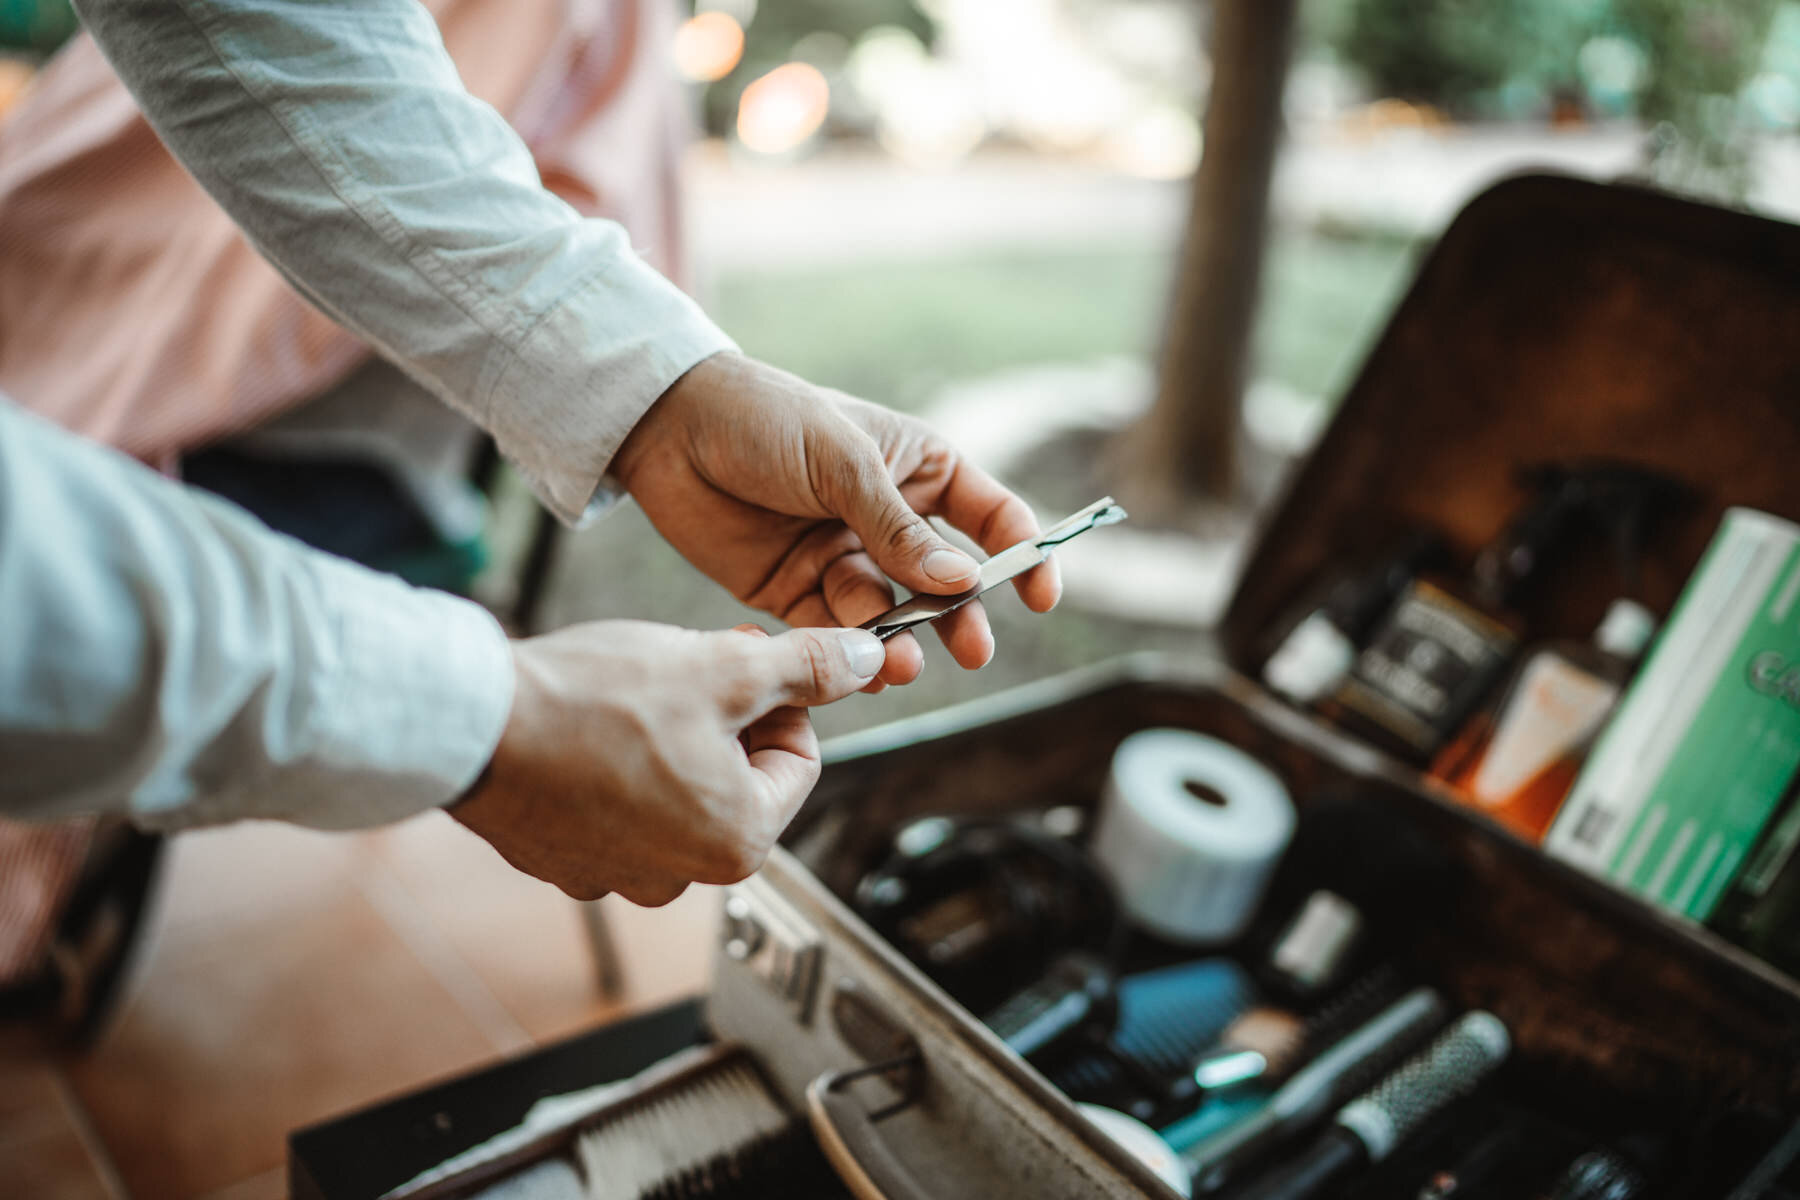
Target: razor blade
(1007,565)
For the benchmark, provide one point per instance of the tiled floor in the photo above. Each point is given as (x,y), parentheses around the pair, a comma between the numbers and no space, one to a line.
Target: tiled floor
(290,976)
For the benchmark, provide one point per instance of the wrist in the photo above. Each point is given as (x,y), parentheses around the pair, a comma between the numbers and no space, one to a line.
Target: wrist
(650,439)
(502,763)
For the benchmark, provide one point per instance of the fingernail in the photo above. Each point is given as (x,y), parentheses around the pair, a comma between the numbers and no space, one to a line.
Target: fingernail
(865,652)
(949,566)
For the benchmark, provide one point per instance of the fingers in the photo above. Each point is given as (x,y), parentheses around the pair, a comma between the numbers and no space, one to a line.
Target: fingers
(979,505)
(967,635)
(783,752)
(898,538)
(800,667)
(853,589)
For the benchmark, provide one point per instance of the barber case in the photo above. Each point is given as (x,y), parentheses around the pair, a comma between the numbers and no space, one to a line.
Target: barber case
(1555,320)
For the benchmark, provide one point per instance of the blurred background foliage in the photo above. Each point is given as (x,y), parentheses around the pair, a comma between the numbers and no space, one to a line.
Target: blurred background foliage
(1698,74)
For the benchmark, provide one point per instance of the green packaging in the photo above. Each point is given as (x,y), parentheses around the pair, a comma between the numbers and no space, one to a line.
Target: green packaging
(1707,738)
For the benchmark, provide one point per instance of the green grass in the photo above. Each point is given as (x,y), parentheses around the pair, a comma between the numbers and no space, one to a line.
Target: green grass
(1325,298)
(896,331)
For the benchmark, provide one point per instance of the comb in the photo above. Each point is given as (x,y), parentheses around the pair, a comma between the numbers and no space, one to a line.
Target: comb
(701,1123)
(722,1134)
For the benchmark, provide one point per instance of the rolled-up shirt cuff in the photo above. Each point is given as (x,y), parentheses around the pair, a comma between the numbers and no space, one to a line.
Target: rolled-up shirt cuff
(420,697)
(398,708)
(564,401)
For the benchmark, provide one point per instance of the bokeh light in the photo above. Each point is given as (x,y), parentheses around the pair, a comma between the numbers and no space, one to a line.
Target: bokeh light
(1159,141)
(708,45)
(782,109)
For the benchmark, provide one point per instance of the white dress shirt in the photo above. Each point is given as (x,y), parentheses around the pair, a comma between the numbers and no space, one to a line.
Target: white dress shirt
(161,652)
(165,654)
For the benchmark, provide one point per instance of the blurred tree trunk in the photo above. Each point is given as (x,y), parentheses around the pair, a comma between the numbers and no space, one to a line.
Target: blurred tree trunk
(1185,449)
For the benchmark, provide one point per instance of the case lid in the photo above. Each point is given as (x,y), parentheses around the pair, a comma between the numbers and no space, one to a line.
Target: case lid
(1555,320)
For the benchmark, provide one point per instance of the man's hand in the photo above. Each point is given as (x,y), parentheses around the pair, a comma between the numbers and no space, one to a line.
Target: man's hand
(796,499)
(639,758)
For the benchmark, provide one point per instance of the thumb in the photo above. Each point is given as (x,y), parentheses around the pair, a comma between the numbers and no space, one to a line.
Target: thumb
(901,542)
(807,666)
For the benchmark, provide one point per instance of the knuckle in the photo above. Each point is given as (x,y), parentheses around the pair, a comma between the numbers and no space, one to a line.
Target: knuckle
(736,671)
(816,665)
(905,534)
(731,862)
(655,894)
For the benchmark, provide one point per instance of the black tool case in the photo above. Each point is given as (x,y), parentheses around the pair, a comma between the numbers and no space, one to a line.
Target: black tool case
(1555,320)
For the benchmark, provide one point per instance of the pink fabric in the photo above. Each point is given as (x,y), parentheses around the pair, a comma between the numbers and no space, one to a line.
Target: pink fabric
(132,311)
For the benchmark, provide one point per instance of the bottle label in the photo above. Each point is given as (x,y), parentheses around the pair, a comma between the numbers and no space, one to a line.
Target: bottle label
(1429,663)
(1555,708)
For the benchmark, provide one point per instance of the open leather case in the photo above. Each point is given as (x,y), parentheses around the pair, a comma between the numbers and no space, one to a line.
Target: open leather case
(1555,320)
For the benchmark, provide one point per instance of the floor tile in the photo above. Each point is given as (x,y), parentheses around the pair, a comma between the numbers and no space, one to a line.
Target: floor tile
(28,1101)
(270,1185)
(667,951)
(527,940)
(53,1165)
(263,1008)
(522,937)
(244,876)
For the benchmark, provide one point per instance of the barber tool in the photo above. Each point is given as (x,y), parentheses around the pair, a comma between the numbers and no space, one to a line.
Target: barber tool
(1077,994)
(1369,1128)
(1311,953)
(1009,564)
(1262,1044)
(706,1139)
(1166,1017)
(980,904)
(1328,1080)
(1482,1170)
(1353,1005)
(1625,1170)
(699,1123)
(1190,830)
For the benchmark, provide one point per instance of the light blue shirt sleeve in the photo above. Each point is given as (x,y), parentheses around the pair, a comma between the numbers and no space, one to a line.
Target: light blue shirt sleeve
(163,654)
(340,139)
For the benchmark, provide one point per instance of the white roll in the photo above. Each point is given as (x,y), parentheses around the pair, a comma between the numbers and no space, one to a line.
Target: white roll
(1142,1142)
(1186,868)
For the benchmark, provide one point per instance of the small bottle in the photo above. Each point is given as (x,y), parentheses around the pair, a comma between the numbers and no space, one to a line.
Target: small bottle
(1445,642)
(1317,654)
(1518,761)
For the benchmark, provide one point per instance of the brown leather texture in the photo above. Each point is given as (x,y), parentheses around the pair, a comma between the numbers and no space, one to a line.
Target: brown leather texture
(1594,985)
(1556,319)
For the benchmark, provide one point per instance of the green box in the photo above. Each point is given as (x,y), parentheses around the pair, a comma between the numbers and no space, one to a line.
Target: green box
(1707,738)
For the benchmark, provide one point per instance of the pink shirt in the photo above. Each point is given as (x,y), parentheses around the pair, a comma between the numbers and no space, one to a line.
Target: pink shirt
(133,311)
